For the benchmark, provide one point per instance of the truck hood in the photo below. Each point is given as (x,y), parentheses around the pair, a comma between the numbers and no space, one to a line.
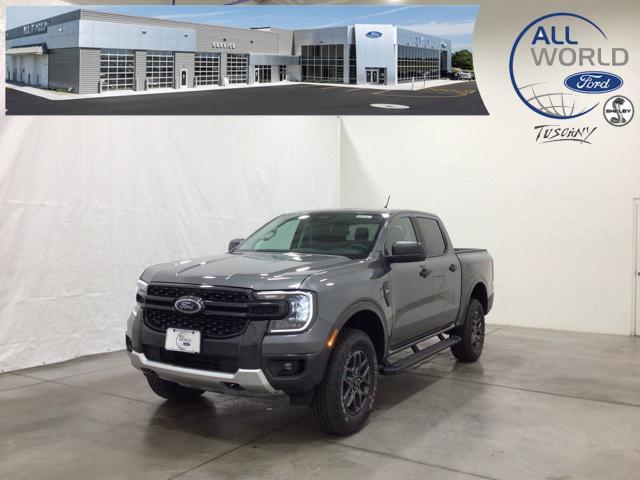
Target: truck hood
(258,271)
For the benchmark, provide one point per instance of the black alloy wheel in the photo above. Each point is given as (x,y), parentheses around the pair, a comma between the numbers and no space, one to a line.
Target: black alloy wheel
(356,382)
(471,334)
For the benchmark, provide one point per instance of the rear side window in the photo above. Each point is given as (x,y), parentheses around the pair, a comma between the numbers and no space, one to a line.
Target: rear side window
(400,231)
(432,235)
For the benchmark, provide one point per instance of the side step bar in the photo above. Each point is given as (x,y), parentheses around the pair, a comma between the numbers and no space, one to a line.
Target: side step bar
(419,355)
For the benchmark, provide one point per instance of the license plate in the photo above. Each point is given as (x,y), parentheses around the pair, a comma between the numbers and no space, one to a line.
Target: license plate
(180,340)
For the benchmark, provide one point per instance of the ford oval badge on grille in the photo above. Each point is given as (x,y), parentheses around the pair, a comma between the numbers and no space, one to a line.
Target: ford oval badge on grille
(189,305)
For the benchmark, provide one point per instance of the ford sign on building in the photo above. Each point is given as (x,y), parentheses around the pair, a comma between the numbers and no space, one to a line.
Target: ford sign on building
(89,52)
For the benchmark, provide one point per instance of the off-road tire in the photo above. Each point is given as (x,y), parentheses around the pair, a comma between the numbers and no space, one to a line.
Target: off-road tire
(172,391)
(328,406)
(471,333)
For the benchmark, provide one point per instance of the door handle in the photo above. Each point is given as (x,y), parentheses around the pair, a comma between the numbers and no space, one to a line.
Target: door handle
(425,272)
(453,267)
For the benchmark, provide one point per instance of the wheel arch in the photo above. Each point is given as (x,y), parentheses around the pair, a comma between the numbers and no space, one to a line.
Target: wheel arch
(479,292)
(367,316)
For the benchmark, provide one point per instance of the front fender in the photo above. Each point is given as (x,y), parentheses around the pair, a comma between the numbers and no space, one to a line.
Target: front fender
(364,305)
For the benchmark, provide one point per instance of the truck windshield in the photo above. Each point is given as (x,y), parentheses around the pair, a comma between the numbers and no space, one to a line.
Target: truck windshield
(348,234)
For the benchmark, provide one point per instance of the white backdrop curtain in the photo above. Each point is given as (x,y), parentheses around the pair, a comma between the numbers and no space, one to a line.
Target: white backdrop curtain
(87,203)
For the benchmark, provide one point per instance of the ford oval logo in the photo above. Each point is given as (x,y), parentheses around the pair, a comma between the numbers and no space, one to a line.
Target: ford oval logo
(593,82)
(189,305)
(373,34)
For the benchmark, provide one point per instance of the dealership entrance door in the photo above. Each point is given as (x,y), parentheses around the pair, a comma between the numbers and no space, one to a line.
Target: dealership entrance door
(263,73)
(375,76)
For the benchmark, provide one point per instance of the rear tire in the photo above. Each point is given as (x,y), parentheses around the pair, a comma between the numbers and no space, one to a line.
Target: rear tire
(472,334)
(347,393)
(173,391)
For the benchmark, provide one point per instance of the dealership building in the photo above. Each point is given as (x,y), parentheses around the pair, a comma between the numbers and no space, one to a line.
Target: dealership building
(86,52)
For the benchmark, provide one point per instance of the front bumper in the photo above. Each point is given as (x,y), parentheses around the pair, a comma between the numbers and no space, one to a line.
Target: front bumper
(251,381)
(248,364)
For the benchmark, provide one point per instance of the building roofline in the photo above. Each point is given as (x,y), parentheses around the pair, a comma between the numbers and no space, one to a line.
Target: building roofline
(187,24)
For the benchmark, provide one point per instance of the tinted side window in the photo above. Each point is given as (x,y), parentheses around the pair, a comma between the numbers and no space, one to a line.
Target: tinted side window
(432,236)
(400,231)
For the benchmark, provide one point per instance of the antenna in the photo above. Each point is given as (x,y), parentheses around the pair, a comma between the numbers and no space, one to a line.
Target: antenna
(386,205)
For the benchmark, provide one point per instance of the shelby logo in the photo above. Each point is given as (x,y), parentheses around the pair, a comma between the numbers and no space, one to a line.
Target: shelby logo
(544,60)
(556,133)
(593,82)
(618,111)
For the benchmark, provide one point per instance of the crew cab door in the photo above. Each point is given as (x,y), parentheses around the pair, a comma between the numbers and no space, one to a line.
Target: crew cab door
(447,280)
(412,288)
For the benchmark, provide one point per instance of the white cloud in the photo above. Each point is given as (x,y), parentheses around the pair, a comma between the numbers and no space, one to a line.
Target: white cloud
(362,17)
(175,16)
(445,29)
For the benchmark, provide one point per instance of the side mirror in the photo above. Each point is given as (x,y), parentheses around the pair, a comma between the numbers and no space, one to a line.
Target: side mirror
(404,251)
(234,243)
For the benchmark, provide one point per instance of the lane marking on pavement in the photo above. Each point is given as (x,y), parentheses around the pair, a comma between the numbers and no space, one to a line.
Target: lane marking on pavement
(419,95)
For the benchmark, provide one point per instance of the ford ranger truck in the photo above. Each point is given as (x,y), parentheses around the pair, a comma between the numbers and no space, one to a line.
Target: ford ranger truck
(314,305)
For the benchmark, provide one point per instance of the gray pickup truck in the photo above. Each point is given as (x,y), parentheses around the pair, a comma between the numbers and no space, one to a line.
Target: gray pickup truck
(315,305)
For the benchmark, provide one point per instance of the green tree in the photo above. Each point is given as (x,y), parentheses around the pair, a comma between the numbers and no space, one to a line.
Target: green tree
(462,59)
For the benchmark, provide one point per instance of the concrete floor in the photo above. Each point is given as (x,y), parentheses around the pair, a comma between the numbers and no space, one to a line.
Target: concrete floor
(539,405)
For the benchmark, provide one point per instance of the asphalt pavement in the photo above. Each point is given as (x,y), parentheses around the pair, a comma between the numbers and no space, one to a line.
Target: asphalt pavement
(297,99)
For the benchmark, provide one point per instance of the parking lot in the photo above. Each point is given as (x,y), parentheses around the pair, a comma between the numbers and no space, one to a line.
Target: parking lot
(297,99)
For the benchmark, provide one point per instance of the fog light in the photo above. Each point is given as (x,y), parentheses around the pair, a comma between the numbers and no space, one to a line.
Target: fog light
(288,366)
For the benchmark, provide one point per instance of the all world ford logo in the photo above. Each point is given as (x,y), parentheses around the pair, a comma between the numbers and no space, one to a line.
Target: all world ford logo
(593,82)
(189,305)
(373,34)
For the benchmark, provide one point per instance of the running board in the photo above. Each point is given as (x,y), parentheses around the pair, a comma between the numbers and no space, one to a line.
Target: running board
(419,356)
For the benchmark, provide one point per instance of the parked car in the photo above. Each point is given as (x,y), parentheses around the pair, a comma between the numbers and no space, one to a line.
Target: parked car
(464,75)
(315,305)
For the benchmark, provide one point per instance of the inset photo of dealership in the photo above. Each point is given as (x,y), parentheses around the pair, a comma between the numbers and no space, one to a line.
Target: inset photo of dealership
(90,53)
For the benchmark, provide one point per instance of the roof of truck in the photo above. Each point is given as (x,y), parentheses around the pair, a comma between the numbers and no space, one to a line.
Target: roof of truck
(365,211)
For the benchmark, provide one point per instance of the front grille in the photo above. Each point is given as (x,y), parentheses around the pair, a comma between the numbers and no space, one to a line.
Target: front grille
(207,294)
(209,326)
(216,363)
(227,311)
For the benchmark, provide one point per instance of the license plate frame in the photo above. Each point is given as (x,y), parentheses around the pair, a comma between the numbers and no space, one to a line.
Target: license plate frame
(183,340)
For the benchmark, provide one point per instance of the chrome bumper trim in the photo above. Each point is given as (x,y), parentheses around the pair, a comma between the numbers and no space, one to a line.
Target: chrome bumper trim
(252,381)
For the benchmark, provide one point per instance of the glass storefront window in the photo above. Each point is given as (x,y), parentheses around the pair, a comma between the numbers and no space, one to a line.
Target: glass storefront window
(418,63)
(322,63)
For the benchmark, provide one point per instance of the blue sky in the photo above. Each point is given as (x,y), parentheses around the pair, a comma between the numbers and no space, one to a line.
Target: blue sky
(453,22)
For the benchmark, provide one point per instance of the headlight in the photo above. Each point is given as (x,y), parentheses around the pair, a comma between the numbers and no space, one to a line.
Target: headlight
(141,287)
(300,311)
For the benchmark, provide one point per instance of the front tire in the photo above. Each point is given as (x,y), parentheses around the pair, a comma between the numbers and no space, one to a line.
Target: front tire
(173,391)
(472,333)
(347,393)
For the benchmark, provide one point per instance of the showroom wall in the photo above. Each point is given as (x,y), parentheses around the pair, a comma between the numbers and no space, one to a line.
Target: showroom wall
(107,197)
(560,232)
